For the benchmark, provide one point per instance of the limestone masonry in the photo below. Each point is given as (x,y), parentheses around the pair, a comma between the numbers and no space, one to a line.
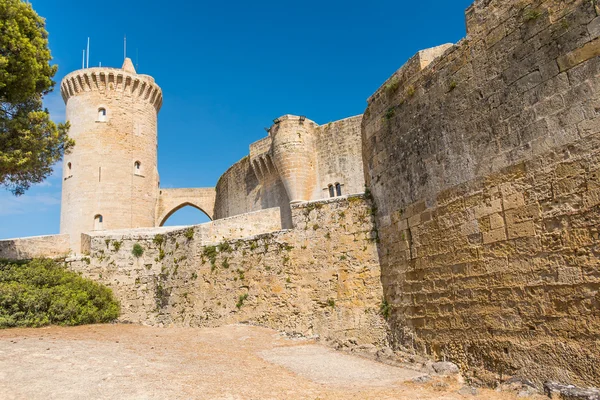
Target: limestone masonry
(476,242)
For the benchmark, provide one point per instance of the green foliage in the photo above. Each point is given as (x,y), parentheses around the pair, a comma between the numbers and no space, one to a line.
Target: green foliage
(43,292)
(241,300)
(389,114)
(161,254)
(241,274)
(159,240)
(189,233)
(385,309)
(452,86)
(225,247)
(253,245)
(410,91)
(30,143)
(331,303)
(315,227)
(194,275)
(392,86)
(531,15)
(225,263)
(210,252)
(117,245)
(161,296)
(328,235)
(107,241)
(137,250)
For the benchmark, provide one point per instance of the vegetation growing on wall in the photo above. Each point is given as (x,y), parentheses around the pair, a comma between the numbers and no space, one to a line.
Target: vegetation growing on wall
(43,292)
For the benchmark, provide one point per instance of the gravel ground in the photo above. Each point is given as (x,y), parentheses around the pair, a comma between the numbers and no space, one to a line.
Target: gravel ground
(231,362)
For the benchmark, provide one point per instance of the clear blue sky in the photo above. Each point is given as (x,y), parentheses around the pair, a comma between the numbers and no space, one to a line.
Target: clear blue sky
(227,69)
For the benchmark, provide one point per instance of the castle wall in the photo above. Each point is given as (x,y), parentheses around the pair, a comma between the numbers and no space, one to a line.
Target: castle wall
(484,170)
(239,191)
(54,246)
(322,277)
(100,177)
(339,157)
(310,157)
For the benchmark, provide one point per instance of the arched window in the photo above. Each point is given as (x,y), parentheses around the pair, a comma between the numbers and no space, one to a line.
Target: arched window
(69,168)
(338,189)
(102,115)
(331,192)
(137,168)
(98,221)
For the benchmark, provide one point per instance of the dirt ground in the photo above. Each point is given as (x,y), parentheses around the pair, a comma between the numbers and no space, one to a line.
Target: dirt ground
(231,362)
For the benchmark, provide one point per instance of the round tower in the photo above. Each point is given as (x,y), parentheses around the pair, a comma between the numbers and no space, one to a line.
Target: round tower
(110,176)
(294,156)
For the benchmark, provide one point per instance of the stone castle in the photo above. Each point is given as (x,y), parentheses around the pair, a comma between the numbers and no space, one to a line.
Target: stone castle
(477,240)
(111,178)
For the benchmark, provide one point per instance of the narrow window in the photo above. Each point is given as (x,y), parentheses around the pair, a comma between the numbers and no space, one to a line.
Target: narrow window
(331,193)
(98,220)
(68,172)
(338,189)
(137,168)
(69,167)
(102,115)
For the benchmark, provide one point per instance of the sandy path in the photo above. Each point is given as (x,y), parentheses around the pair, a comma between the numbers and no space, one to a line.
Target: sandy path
(232,362)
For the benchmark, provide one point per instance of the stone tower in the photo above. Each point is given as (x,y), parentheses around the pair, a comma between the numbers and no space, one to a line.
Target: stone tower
(110,177)
(294,156)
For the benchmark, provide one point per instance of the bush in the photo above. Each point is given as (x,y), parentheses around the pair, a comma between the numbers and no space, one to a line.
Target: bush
(137,250)
(42,292)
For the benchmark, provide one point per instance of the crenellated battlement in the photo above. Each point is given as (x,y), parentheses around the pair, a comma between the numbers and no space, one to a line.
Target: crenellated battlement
(103,79)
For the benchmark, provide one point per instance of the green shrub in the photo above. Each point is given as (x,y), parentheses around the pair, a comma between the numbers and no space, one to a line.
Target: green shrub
(159,240)
(117,245)
(43,292)
(210,252)
(385,309)
(392,86)
(137,250)
(224,247)
(241,300)
(189,233)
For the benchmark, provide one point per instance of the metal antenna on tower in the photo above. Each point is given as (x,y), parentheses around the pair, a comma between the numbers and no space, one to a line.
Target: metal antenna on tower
(87,62)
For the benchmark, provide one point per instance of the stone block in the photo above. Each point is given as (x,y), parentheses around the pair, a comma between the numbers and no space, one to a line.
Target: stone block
(580,55)
(494,235)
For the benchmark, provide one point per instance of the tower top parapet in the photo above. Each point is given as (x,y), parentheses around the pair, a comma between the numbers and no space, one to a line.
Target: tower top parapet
(103,79)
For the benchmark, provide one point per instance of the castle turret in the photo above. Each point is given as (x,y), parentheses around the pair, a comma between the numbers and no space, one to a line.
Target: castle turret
(110,176)
(294,155)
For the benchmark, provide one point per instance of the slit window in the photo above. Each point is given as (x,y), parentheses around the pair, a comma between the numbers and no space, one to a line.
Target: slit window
(98,222)
(137,168)
(102,115)
(331,192)
(338,189)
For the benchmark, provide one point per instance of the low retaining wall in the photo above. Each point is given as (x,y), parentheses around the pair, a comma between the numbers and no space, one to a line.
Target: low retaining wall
(53,246)
(322,277)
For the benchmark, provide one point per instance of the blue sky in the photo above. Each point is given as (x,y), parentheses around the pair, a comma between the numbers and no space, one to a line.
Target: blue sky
(227,69)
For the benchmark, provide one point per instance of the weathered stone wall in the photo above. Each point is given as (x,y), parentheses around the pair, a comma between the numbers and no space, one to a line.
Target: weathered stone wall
(297,162)
(54,246)
(239,191)
(339,156)
(322,277)
(484,169)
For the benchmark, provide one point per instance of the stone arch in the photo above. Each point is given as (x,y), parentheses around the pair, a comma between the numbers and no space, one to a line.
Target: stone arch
(172,200)
(168,215)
